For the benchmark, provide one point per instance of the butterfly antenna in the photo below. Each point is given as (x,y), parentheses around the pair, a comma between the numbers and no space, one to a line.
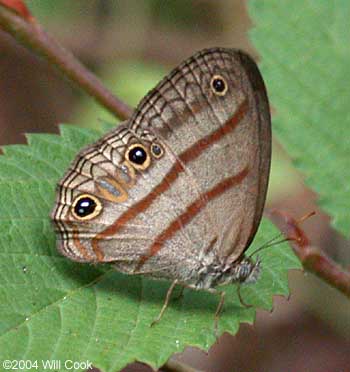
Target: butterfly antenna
(273,241)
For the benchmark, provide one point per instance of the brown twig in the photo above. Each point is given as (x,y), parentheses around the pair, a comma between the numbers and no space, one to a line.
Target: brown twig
(173,365)
(29,33)
(312,258)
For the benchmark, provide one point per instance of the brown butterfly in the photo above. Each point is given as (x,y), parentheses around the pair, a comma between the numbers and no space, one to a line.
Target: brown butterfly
(177,191)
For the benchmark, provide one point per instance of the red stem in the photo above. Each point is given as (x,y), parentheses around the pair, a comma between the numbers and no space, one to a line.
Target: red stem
(312,258)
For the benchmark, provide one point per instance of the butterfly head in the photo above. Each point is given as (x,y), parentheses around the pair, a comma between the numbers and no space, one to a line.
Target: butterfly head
(243,271)
(247,270)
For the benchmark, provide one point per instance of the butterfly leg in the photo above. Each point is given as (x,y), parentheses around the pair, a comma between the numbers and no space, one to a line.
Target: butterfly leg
(241,298)
(180,294)
(166,302)
(218,309)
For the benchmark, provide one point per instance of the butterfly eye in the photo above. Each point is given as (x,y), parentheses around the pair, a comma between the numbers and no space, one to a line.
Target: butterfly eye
(86,207)
(218,85)
(157,150)
(138,156)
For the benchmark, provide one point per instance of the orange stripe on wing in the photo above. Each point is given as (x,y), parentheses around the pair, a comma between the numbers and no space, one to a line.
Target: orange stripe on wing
(80,246)
(191,211)
(187,156)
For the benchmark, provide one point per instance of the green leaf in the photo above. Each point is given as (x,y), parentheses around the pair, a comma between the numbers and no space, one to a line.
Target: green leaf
(305,62)
(52,308)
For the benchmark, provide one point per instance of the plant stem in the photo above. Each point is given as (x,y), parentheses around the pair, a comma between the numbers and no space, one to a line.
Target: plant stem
(32,36)
(312,258)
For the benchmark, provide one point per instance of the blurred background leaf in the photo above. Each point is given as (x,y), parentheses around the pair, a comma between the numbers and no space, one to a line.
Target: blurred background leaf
(141,78)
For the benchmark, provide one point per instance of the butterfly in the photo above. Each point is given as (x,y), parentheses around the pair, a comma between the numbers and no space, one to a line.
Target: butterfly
(177,191)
